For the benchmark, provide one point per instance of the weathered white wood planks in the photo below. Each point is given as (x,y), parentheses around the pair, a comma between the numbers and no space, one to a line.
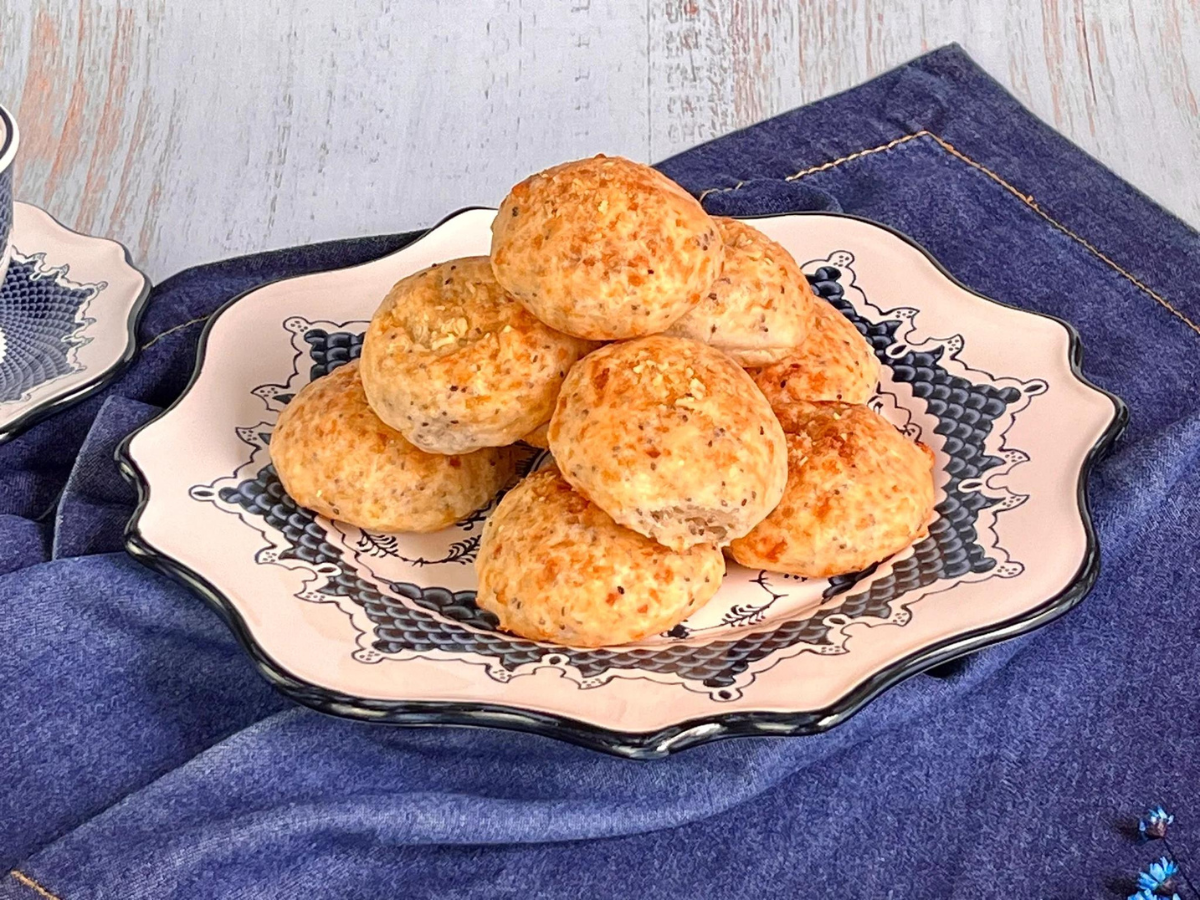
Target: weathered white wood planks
(192,131)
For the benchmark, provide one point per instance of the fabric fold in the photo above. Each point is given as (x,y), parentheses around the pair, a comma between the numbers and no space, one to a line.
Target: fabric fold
(97,501)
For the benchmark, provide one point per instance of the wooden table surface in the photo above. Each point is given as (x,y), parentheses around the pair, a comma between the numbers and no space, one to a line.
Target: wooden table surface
(197,130)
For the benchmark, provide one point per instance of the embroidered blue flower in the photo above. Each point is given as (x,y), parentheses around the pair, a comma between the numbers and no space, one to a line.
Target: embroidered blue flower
(1158,876)
(1150,895)
(1154,826)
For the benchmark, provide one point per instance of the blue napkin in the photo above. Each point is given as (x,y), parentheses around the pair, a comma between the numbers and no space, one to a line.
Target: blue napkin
(142,756)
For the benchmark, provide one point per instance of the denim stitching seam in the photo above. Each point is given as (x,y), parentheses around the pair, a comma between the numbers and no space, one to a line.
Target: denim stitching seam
(28,882)
(1027,199)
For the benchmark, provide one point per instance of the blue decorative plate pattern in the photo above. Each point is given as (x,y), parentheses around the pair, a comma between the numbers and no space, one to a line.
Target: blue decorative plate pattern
(43,322)
(69,304)
(409,599)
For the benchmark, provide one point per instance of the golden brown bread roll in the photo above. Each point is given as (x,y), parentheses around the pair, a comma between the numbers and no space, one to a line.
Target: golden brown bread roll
(759,308)
(672,439)
(857,491)
(335,456)
(454,363)
(555,567)
(604,248)
(833,363)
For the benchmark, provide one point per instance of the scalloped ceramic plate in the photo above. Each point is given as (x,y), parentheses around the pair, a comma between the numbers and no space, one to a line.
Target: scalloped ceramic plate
(69,305)
(384,628)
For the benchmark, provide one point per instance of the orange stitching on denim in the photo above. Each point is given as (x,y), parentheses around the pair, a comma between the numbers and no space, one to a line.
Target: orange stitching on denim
(837,162)
(1027,199)
(32,885)
(828,165)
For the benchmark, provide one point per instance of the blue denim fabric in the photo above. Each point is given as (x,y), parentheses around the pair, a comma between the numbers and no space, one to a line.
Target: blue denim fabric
(143,757)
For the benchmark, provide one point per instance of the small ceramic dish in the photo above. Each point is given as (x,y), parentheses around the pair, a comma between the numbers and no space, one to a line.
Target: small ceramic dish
(384,628)
(69,307)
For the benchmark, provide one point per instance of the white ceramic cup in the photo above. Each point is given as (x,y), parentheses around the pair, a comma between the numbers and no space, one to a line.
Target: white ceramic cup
(8,153)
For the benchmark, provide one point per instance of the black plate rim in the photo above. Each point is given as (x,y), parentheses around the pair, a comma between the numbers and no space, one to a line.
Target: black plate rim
(670,739)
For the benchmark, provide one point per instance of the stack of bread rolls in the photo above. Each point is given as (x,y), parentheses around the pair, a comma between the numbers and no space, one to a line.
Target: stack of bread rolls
(697,398)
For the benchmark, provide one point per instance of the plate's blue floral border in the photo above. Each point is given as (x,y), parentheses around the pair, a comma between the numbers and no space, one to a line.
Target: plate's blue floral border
(43,324)
(968,413)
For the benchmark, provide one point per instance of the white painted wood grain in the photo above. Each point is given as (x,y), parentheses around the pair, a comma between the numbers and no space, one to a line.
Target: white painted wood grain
(192,131)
